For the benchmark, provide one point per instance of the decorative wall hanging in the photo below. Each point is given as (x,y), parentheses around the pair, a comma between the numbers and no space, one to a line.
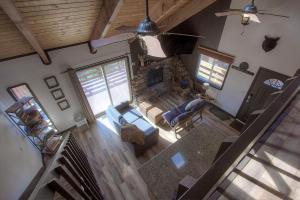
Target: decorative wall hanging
(57,94)
(51,82)
(269,43)
(243,67)
(63,105)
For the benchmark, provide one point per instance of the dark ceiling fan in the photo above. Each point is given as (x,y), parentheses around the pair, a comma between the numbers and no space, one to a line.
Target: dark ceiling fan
(147,32)
(249,13)
(149,28)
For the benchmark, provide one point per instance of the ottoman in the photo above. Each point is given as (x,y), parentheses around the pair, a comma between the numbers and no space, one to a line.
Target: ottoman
(155,115)
(145,107)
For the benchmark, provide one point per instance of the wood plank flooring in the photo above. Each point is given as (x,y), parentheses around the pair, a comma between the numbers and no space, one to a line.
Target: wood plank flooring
(113,163)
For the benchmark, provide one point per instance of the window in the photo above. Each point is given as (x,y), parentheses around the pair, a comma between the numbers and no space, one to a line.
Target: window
(274,83)
(105,84)
(213,67)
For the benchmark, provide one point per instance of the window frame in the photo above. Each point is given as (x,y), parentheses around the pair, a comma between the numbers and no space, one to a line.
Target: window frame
(216,55)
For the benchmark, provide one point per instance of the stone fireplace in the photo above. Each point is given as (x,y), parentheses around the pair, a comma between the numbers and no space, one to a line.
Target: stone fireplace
(158,77)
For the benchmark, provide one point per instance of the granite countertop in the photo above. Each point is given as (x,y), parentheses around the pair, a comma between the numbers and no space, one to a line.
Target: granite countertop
(192,155)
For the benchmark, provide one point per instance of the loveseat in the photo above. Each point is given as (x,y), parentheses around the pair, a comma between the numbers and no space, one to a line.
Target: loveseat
(182,115)
(132,127)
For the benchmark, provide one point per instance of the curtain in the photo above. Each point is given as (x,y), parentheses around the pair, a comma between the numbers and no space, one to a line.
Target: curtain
(87,111)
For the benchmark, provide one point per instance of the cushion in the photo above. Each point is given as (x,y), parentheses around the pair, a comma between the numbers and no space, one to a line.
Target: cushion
(131,115)
(122,121)
(181,108)
(193,103)
(198,106)
(170,115)
(114,114)
(179,118)
(144,126)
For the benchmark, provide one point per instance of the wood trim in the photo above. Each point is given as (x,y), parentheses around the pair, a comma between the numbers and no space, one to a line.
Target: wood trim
(47,50)
(220,169)
(216,54)
(164,8)
(13,13)
(182,13)
(107,14)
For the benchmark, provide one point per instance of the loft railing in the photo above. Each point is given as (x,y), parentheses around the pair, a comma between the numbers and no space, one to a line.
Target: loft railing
(68,175)
(220,169)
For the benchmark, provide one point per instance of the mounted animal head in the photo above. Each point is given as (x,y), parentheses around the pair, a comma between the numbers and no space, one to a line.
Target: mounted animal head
(269,43)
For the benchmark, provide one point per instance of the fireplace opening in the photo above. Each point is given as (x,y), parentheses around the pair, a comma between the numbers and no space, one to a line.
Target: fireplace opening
(154,76)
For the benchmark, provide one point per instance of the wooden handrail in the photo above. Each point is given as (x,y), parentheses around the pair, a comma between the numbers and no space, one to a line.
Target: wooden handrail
(208,182)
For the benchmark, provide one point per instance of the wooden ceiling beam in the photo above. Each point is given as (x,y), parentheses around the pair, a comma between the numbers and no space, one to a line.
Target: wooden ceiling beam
(164,8)
(107,14)
(169,13)
(13,13)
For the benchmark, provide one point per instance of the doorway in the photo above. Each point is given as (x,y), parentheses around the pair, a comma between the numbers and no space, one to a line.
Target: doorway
(106,84)
(265,82)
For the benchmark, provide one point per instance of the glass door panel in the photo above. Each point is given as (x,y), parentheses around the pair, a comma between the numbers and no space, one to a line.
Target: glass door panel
(94,86)
(117,81)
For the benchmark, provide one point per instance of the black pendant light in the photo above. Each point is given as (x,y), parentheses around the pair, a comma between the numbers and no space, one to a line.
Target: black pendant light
(147,26)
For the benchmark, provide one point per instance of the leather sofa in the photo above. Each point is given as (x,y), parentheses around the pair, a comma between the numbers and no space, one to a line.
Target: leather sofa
(132,127)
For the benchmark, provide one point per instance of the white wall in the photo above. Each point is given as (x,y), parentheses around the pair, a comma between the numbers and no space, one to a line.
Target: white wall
(247,47)
(19,160)
(30,70)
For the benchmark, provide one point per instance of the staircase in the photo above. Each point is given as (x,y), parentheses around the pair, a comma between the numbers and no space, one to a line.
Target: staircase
(264,162)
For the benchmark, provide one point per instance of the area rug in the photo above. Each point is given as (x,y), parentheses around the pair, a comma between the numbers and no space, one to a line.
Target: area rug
(219,113)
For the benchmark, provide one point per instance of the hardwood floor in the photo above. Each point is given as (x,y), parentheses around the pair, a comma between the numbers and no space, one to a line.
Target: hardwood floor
(113,163)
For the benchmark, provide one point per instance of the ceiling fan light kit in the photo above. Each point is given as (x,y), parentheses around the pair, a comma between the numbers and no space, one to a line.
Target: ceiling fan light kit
(249,13)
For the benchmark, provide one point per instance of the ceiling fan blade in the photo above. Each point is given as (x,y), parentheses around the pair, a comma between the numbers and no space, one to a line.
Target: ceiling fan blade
(276,15)
(182,34)
(126,28)
(228,13)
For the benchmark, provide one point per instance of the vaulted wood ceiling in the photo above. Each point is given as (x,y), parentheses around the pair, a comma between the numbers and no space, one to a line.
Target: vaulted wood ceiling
(57,23)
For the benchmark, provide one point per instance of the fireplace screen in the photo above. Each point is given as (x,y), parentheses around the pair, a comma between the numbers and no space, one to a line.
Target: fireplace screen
(154,76)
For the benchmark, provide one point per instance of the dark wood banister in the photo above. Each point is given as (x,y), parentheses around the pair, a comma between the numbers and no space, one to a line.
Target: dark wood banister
(208,182)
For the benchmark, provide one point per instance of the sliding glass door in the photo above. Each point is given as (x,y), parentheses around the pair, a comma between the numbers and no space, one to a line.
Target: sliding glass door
(105,84)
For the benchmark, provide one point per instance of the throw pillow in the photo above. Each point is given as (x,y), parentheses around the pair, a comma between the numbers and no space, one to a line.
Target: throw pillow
(122,121)
(193,103)
(131,133)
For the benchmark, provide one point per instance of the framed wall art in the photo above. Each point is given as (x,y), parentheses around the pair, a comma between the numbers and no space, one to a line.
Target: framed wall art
(51,82)
(57,94)
(63,105)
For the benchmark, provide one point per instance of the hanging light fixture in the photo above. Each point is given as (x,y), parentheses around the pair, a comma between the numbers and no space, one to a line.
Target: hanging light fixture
(147,26)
